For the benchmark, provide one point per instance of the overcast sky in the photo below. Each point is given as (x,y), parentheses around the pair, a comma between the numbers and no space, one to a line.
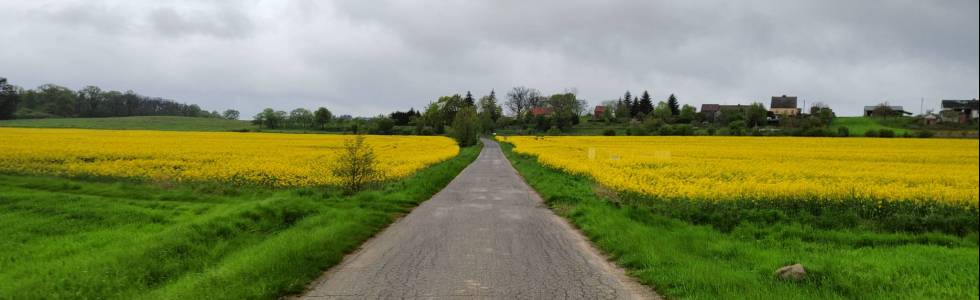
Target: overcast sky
(369,57)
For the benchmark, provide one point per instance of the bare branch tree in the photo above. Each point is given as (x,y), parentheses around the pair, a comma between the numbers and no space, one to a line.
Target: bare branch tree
(521,99)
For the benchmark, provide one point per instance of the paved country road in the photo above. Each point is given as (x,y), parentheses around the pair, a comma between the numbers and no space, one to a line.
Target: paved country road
(487,235)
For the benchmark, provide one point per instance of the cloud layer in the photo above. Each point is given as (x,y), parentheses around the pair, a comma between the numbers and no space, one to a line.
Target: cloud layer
(371,57)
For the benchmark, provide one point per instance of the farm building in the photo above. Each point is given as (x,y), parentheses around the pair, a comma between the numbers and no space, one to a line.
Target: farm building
(710,111)
(962,111)
(599,112)
(784,106)
(875,111)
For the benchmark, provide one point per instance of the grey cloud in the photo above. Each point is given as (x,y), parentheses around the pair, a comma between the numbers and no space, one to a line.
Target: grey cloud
(370,57)
(220,22)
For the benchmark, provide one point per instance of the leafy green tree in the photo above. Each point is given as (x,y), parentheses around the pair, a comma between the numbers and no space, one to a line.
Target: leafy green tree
(755,115)
(89,100)
(823,113)
(687,115)
(663,112)
(489,112)
(674,106)
(301,118)
(737,127)
(230,114)
(646,104)
(321,117)
(433,118)
(622,110)
(384,125)
(565,108)
(9,99)
(449,106)
(466,127)
(607,113)
(57,100)
(269,118)
(488,106)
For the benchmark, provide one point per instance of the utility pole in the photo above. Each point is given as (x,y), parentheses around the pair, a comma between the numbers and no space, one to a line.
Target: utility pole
(922,102)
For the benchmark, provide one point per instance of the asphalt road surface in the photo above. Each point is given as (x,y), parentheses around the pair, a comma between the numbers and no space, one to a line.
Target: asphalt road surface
(487,235)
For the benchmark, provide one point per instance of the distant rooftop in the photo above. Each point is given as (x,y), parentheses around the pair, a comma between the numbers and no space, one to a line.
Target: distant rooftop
(783,102)
(961,104)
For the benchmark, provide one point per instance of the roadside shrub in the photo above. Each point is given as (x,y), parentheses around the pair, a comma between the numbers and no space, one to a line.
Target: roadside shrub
(554,131)
(609,132)
(843,132)
(886,133)
(906,134)
(924,134)
(653,125)
(871,133)
(737,127)
(636,131)
(383,126)
(356,165)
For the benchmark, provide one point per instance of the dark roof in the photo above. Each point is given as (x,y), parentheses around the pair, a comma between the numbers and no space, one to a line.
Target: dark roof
(961,104)
(732,107)
(783,102)
(895,108)
(710,107)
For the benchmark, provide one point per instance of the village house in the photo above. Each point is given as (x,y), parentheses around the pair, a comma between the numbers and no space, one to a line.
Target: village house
(710,111)
(599,112)
(541,111)
(962,111)
(784,106)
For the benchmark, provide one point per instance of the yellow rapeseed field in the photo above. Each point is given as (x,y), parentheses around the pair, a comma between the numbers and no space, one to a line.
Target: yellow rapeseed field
(769,168)
(248,158)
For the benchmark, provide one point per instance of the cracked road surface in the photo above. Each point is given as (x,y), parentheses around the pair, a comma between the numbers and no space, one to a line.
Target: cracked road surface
(487,235)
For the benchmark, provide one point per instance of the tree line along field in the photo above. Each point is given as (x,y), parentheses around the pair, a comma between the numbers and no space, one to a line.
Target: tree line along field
(103,214)
(713,217)
(169,123)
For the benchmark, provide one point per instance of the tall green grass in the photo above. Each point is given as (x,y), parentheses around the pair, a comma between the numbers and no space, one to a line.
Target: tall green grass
(102,239)
(857,126)
(679,259)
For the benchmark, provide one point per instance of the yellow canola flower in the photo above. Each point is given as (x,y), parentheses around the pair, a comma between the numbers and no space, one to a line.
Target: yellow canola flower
(775,168)
(248,158)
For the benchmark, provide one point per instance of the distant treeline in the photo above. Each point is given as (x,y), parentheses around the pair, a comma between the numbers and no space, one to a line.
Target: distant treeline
(49,101)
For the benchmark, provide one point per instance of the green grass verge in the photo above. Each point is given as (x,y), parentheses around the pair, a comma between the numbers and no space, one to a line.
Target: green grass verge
(683,260)
(102,239)
(857,126)
(135,123)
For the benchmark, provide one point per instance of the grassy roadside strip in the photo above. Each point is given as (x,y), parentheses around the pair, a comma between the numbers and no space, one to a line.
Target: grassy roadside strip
(682,260)
(77,239)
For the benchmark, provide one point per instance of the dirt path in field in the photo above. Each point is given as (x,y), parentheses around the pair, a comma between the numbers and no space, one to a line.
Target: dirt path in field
(487,235)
